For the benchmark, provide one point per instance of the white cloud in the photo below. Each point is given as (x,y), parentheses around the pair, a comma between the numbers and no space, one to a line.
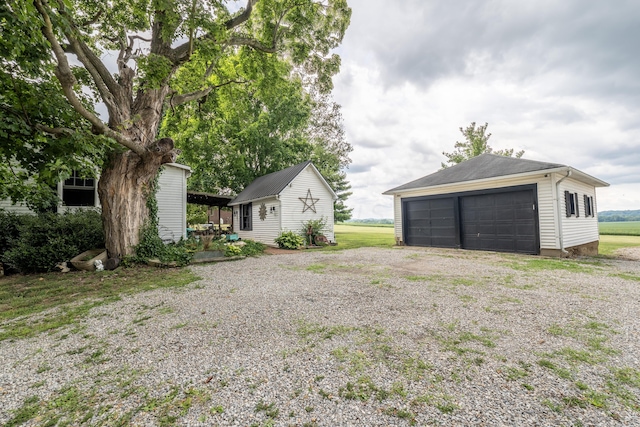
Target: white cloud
(556,80)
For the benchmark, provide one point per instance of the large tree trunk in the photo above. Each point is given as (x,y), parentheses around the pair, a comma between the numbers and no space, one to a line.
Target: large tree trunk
(126,183)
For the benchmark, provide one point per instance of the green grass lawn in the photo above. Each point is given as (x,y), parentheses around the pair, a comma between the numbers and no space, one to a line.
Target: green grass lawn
(609,244)
(625,228)
(75,293)
(354,236)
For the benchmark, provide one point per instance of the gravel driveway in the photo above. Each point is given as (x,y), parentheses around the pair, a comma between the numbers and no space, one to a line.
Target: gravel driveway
(365,337)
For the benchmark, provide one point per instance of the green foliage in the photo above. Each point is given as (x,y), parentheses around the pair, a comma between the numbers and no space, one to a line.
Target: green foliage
(151,245)
(31,159)
(232,250)
(622,228)
(312,229)
(197,214)
(253,248)
(289,240)
(36,243)
(475,144)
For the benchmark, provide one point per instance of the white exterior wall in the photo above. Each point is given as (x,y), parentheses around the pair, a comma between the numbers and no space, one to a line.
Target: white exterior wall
(292,217)
(172,203)
(547,217)
(578,230)
(264,231)
(18,208)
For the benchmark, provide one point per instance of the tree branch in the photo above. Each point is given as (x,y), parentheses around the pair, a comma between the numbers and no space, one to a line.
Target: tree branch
(243,17)
(67,80)
(252,43)
(182,53)
(92,20)
(174,101)
(107,86)
(54,131)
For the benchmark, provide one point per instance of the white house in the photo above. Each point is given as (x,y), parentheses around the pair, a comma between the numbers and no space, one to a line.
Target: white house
(503,204)
(283,201)
(80,193)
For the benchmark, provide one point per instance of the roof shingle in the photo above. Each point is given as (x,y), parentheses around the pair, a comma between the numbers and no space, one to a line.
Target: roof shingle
(480,167)
(270,184)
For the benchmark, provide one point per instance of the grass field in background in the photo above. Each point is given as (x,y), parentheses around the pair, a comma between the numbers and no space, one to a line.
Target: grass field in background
(625,228)
(609,244)
(350,236)
(364,224)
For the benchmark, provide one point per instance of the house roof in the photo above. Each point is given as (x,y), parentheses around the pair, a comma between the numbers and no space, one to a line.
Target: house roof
(272,184)
(487,166)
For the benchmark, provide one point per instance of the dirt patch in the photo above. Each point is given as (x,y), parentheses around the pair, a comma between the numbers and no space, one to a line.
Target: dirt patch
(629,253)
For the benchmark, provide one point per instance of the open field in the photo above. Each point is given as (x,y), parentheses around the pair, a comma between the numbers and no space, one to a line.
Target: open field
(626,228)
(371,336)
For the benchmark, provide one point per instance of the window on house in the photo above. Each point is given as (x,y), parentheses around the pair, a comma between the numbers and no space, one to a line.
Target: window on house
(79,191)
(571,203)
(588,206)
(245,217)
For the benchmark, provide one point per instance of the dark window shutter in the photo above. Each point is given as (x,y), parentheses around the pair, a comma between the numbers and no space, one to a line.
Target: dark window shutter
(577,206)
(587,211)
(567,203)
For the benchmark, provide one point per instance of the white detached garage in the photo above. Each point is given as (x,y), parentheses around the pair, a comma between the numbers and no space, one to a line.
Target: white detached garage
(283,201)
(503,204)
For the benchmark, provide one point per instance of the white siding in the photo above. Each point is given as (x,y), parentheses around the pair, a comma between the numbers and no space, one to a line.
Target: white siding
(578,230)
(264,231)
(172,203)
(292,216)
(546,212)
(397,216)
(18,208)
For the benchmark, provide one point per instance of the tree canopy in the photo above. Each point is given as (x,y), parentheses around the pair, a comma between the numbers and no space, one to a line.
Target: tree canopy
(475,143)
(140,59)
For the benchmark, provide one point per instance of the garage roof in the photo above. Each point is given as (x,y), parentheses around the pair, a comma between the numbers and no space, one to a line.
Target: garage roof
(487,166)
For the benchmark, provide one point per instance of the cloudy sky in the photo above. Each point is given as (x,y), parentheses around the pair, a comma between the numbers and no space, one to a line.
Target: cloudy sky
(558,79)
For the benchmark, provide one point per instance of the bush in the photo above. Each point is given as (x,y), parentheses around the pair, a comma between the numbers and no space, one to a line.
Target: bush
(151,246)
(252,248)
(289,240)
(231,250)
(313,228)
(36,243)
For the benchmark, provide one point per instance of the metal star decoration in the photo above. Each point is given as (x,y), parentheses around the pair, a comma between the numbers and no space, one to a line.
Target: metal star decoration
(309,202)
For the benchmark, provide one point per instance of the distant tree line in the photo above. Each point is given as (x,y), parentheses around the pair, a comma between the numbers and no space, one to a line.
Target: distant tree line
(619,216)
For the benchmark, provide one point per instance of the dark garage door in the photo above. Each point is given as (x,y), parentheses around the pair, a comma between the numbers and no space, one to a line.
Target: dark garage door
(504,222)
(431,222)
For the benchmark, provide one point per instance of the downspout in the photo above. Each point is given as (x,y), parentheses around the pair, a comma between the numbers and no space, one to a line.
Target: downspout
(560,210)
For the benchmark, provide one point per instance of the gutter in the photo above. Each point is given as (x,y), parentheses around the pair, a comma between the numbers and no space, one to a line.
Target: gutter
(560,210)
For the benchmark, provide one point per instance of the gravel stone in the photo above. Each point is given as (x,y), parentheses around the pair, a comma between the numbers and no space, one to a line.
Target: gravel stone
(370,336)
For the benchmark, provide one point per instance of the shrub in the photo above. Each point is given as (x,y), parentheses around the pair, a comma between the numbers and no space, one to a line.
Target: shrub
(289,240)
(231,250)
(151,246)
(313,228)
(36,243)
(252,248)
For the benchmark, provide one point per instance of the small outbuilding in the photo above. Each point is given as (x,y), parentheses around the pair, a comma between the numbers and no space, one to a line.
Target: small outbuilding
(283,201)
(498,203)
